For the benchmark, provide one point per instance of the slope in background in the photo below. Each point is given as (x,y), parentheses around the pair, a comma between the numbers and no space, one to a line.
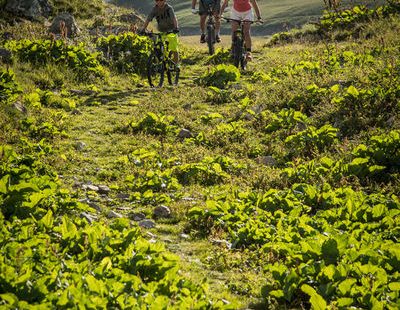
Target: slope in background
(279,15)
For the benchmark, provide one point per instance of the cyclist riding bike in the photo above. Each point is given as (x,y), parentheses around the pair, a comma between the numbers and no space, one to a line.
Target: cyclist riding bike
(203,11)
(243,10)
(166,22)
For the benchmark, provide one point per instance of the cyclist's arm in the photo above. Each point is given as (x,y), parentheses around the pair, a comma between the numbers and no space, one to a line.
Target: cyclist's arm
(175,21)
(224,5)
(146,23)
(256,8)
(194,2)
(148,20)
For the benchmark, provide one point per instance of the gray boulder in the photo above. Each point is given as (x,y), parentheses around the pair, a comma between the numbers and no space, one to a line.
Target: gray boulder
(64,22)
(5,56)
(131,18)
(33,9)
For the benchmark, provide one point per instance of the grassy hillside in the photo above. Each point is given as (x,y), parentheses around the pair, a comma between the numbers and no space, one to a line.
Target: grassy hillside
(282,192)
(279,15)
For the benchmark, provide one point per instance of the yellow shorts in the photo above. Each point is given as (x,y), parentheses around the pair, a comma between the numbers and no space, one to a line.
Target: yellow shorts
(172,39)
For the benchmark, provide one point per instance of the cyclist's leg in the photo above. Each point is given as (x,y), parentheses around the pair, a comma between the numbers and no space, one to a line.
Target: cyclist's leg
(246,32)
(203,16)
(203,28)
(216,9)
(234,25)
(247,35)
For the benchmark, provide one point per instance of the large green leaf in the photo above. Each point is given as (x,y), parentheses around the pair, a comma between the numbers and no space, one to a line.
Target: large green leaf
(316,300)
(330,251)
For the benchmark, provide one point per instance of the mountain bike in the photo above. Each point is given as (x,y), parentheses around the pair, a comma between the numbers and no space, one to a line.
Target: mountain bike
(161,61)
(210,36)
(239,50)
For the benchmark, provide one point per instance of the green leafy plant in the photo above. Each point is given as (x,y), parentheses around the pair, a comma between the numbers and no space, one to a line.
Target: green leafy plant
(154,124)
(8,86)
(42,51)
(207,172)
(127,52)
(220,76)
(312,140)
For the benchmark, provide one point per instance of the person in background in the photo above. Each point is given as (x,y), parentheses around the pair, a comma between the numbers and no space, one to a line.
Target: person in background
(166,22)
(203,11)
(243,10)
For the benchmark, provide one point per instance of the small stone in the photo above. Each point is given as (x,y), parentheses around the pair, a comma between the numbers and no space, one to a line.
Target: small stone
(90,218)
(103,189)
(267,161)
(113,214)
(91,187)
(184,236)
(80,146)
(185,133)
(162,212)
(94,205)
(147,224)
(137,216)
(20,107)
(187,106)
(222,242)
(123,196)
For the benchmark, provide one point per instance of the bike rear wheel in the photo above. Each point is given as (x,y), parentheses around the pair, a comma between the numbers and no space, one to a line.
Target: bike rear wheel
(173,71)
(211,40)
(237,51)
(155,71)
(243,60)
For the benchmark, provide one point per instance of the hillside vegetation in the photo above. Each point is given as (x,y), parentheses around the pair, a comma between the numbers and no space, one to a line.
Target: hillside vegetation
(273,188)
(279,15)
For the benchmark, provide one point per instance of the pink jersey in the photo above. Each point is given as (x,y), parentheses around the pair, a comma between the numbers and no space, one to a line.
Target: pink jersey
(241,5)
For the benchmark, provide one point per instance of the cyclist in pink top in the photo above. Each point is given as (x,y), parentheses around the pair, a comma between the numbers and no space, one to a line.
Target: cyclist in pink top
(243,10)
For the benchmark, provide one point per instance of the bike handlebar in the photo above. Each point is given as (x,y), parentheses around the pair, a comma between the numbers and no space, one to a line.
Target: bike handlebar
(151,34)
(258,21)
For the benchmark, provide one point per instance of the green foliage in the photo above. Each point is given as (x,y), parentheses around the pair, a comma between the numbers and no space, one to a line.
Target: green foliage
(87,9)
(41,52)
(50,99)
(8,85)
(358,14)
(154,124)
(221,56)
(207,172)
(311,140)
(319,230)
(377,159)
(344,21)
(285,119)
(280,38)
(127,52)
(59,261)
(219,96)
(307,233)
(220,76)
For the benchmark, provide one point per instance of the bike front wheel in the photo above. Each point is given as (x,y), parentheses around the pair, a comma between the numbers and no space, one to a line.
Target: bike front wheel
(173,71)
(237,51)
(155,71)
(211,40)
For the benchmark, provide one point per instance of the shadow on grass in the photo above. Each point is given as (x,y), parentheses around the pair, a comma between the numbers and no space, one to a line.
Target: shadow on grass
(100,99)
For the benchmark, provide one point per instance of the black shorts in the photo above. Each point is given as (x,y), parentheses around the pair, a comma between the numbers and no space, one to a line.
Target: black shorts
(216,7)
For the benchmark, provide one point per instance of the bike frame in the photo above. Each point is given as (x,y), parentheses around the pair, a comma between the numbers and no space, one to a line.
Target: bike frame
(160,46)
(161,52)
(239,45)
(210,24)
